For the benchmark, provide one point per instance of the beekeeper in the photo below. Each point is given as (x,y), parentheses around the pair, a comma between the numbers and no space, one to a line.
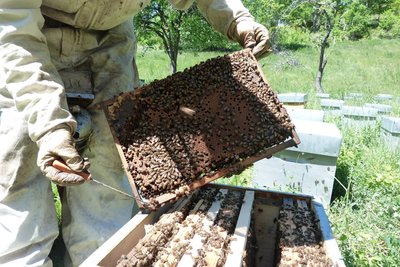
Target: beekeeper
(84,48)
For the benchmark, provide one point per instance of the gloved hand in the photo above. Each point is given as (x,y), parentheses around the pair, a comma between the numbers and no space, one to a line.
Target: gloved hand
(58,144)
(251,34)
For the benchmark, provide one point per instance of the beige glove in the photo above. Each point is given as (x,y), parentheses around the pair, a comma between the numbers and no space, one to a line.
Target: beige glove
(58,144)
(251,34)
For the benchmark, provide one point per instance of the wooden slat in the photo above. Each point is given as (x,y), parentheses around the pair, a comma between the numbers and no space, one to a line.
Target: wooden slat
(330,245)
(188,259)
(153,237)
(213,255)
(124,239)
(288,202)
(302,204)
(168,256)
(239,240)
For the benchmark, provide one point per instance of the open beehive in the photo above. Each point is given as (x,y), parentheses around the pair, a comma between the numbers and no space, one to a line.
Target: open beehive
(225,226)
(209,121)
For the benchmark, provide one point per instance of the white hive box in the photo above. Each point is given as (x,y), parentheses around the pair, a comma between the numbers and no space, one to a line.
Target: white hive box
(354,96)
(305,114)
(354,116)
(383,98)
(382,108)
(310,168)
(297,100)
(332,107)
(323,95)
(390,131)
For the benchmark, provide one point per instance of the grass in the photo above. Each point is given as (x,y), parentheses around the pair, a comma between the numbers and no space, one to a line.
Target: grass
(242,179)
(366,218)
(365,213)
(370,67)
(154,64)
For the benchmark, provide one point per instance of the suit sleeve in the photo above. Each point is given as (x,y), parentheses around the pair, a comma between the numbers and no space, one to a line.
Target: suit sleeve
(27,75)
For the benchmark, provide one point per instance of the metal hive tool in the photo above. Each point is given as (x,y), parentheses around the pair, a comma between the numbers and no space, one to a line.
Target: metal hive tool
(212,120)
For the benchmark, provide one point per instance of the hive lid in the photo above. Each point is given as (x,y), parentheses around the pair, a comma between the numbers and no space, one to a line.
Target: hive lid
(359,111)
(319,138)
(332,103)
(212,120)
(382,108)
(293,97)
(391,124)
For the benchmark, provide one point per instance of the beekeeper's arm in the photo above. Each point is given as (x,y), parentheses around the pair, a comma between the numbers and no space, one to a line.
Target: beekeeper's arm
(233,20)
(30,79)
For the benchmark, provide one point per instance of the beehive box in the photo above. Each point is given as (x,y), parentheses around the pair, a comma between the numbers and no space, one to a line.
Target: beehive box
(323,95)
(354,96)
(225,226)
(310,168)
(382,108)
(305,114)
(209,121)
(332,107)
(354,116)
(383,98)
(390,132)
(296,100)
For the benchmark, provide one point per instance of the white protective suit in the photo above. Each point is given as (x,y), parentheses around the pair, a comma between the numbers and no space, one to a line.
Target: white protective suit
(94,44)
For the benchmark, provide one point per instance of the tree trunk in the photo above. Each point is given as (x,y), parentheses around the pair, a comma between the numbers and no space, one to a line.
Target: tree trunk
(174,62)
(318,79)
(322,58)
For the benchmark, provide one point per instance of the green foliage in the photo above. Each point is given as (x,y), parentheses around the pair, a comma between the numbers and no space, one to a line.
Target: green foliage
(389,26)
(57,202)
(291,38)
(355,21)
(242,179)
(266,12)
(290,23)
(198,35)
(368,229)
(366,217)
(160,19)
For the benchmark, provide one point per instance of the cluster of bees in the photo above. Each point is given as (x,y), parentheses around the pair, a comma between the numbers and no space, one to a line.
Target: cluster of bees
(193,123)
(300,239)
(220,235)
(163,246)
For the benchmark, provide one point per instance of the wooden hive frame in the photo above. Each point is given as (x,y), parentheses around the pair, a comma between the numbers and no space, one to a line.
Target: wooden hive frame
(255,205)
(231,156)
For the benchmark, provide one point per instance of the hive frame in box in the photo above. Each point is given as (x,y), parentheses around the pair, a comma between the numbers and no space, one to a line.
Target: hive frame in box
(130,234)
(221,172)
